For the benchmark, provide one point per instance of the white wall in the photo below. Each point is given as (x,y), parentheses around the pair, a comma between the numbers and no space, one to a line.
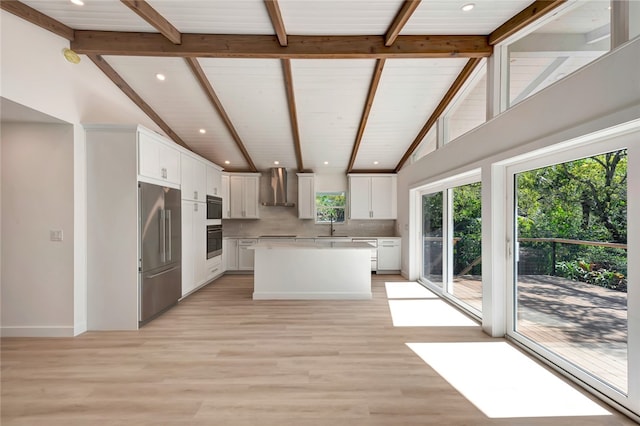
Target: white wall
(37,196)
(604,94)
(34,74)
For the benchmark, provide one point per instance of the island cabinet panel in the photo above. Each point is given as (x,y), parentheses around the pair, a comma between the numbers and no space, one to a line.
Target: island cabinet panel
(306,196)
(245,254)
(243,196)
(193,185)
(372,196)
(157,160)
(230,253)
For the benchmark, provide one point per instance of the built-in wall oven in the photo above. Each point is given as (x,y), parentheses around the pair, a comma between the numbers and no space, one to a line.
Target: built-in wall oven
(214,207)
(214,241)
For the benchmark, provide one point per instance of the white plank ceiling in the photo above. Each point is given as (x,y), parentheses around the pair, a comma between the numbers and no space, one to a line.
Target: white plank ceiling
(330,94)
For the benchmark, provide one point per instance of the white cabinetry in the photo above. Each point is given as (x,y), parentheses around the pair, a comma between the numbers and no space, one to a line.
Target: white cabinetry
(214,181)
(157,159)
(306,196)
(226,209)
(230,253)
(194,245)
(243,195)
(372,196)
(193,186)
(389,253)
(245,255)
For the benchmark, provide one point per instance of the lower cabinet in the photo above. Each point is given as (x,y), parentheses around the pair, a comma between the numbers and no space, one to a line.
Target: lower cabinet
(389,255)
(237,253)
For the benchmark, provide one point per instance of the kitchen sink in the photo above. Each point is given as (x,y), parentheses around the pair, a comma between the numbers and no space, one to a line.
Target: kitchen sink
(332,236)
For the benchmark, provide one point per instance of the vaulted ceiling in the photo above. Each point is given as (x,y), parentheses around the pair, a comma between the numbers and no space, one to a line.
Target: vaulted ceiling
(335,85)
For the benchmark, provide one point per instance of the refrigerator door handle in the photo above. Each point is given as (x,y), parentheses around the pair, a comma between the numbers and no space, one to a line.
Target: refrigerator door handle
(169,234)
(163,236)
(160,273)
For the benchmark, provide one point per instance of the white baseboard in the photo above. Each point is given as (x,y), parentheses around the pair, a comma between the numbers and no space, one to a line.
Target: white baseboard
(36,331)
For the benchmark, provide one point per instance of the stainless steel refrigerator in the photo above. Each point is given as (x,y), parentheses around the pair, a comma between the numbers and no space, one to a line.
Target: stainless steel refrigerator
(160,250)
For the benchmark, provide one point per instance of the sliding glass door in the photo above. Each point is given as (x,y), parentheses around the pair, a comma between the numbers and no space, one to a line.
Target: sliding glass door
(570,240)
(451,241)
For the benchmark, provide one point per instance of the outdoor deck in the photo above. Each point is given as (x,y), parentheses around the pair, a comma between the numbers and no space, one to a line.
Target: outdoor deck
(585,324)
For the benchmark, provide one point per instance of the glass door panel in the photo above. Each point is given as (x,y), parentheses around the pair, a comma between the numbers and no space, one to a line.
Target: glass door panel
(432,238)
(571,263)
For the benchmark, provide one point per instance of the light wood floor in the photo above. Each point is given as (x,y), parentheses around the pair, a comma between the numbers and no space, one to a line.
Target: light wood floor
(219,358)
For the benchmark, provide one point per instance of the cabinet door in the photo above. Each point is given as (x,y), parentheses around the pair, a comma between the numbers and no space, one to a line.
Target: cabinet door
(169,163)
(214,180)
(148,157)
(236,205)
(383,197)
(359,197)
(251,190)
(389,254)
(188,278)
(200,181)
(226,211)
(231,253)
(200,243)
(245,255)
(306,197)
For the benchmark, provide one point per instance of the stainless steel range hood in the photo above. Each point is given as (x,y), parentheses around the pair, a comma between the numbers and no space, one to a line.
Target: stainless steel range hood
(278,188)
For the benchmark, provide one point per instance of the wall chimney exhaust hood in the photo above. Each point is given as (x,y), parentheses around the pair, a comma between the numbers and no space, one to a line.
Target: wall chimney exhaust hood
(278,188)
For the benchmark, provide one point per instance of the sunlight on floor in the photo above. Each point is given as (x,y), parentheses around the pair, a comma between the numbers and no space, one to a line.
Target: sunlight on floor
(503,382)
(427,313)
(408,290)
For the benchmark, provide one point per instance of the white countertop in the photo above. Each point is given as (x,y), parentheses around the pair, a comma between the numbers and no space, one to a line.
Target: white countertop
(275,244)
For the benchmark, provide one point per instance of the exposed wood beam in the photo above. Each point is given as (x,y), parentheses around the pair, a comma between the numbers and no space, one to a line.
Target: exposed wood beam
(528,15)
(128,90)
(215,101)
(293,113)
(407,9)
(373,87)
(386,171)
(155,19)
(276,20)
(29,14)
(299,47)
(442,106)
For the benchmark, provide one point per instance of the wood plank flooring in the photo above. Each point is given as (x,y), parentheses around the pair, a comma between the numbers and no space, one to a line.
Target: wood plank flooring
(220,358)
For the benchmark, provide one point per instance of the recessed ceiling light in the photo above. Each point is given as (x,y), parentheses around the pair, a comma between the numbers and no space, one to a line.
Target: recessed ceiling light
(77,2)
(326,163)
(467,7)
(227,162)
(160,77)
(203,131)
(276,162)
(375,162)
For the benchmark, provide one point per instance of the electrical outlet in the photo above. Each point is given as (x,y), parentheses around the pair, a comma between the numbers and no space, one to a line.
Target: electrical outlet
(55,235)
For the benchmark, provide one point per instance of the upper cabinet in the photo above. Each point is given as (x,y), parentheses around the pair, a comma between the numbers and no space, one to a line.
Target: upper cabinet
(244,190)
(193,179)
(226,210)
(306,196)
(373,196)
(214,181)
(157,159)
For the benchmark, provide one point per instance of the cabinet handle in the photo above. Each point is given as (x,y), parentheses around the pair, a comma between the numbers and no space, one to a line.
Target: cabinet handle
(195,207)
(215,191)
(195,195)
(163,172)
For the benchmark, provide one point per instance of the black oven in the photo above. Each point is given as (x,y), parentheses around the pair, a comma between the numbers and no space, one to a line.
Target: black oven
(214,241)
(214,207)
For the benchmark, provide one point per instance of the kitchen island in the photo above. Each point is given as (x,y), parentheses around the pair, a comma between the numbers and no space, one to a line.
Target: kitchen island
(312,270)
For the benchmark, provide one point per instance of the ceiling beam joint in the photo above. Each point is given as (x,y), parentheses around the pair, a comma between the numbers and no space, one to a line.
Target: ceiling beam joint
(527,16)
(407,9)
(37,18)
(276,21)
(155,19)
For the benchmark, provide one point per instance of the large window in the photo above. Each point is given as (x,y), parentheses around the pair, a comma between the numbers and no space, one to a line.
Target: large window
(573,290)
(330,207)
(451,242)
